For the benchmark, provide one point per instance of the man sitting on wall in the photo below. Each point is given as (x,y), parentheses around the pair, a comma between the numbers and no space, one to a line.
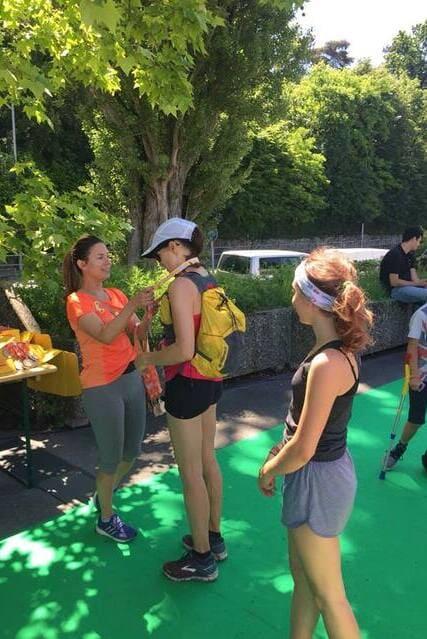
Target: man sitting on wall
(398,269)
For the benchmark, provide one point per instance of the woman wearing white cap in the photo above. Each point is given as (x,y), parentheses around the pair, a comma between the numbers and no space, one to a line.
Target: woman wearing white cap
(190,400)
(319,478)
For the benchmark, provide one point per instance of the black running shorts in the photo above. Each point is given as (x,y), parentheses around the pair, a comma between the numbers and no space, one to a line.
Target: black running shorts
(417,406)
(186,397)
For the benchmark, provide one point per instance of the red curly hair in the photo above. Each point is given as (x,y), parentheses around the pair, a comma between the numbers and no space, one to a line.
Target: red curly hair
(334,274)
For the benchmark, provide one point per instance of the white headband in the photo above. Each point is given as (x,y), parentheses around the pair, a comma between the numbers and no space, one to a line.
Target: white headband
(311,291)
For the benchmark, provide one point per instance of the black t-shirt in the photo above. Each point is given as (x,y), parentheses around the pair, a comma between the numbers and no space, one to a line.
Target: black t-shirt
(396,261)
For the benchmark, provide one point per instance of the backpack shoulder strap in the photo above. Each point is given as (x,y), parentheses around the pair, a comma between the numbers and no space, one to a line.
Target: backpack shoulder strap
(202,282)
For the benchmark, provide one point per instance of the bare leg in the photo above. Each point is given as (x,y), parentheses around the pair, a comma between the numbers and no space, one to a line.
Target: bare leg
(211,471)
(304,609)
(409,430)
(186,436)
(321,561)
(104,488)
(105,485)
(122,469)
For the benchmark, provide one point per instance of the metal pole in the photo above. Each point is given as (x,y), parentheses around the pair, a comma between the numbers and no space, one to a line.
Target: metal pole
(212,255)
(26,428)
(15,153)
(362,235)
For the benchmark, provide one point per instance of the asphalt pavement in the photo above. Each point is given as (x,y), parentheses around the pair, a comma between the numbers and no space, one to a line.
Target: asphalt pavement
(64,459)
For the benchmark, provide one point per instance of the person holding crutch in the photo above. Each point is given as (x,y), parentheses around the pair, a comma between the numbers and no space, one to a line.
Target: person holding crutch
(416,358)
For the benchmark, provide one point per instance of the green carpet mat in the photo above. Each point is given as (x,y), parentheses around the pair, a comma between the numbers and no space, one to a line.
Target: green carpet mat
(60,580)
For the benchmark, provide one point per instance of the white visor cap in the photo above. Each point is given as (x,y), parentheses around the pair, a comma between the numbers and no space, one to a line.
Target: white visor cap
(176,228)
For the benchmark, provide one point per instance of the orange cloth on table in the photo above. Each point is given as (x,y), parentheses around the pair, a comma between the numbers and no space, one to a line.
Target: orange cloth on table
(102,363)
(20,351)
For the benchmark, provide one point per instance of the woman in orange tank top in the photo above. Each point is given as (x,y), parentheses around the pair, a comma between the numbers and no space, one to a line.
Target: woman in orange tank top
(113,394)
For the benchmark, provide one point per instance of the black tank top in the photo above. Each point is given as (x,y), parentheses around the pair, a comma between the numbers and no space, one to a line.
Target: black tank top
(332,442)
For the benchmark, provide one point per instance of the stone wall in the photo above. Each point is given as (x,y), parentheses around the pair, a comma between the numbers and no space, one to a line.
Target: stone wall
(276,340)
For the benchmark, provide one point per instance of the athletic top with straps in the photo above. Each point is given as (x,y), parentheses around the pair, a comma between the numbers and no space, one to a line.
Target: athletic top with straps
(332,442)
(186,369)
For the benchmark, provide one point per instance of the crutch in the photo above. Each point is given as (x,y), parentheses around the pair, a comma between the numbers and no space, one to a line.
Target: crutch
(397,417)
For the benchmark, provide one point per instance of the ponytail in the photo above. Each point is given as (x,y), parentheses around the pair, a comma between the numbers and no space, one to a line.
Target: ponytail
(335,275)
(352,317)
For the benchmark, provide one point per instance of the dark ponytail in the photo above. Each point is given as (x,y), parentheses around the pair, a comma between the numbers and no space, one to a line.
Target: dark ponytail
(195,245)
(79,251)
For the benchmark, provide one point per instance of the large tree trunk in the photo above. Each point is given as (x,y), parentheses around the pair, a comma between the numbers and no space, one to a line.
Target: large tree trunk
(176,190)
(156,208)
(136,218)
(135,238)
(164,199)
(164,194)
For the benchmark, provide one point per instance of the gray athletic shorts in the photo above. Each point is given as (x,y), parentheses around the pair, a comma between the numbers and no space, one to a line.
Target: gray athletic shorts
(116,412)
(321,495)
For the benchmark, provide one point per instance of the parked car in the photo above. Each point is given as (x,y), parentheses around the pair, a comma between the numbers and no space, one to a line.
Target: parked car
(257,261)
(362,254)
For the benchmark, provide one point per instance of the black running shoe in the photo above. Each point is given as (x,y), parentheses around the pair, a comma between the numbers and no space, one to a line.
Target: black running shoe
(424,460)
(190,568)
(395,454)
(217,545)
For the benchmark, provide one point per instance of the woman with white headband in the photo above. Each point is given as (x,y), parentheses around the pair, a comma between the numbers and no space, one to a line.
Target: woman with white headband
(319,480)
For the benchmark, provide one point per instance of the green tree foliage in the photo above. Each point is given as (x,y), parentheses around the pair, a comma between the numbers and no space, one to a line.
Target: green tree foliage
(408,53)
(143,66)
(62,152)
(111,167)
(348,115)
(334,53)
(352,150)
(405,151)
(8,181)
(364,130)
(46,44)
(190,165)
(286,188)
(41,224)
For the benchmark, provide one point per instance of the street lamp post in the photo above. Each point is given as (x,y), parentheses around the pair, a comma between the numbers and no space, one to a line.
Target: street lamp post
(15,153)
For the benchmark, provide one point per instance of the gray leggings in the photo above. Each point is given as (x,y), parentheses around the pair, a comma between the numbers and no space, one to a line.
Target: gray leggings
(116,412)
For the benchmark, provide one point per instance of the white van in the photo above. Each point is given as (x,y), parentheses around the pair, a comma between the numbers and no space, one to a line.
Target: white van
(362,254)
(257,261)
